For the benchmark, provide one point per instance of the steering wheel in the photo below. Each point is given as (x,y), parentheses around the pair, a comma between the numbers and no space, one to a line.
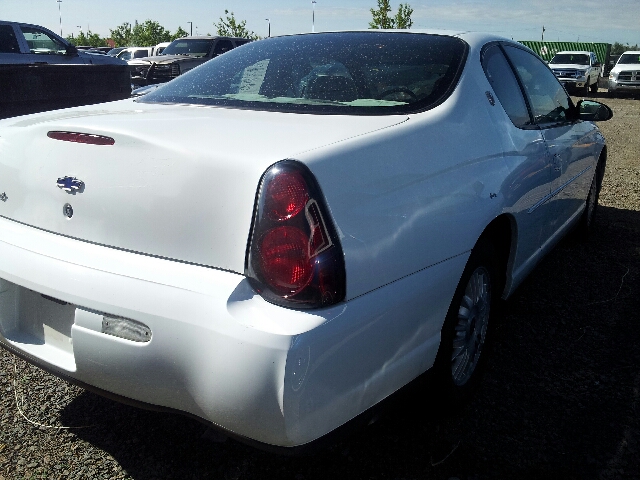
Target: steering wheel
(391,91)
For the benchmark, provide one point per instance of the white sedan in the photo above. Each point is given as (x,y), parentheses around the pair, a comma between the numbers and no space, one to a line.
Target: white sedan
(281,238)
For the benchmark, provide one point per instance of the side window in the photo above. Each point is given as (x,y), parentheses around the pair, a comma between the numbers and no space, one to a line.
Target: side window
(505,85)
(8,40)
(141,53)
(126,55)
(548,99)
(41,42)
(222,46)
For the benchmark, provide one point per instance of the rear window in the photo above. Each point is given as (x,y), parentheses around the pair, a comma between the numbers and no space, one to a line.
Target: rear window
(346,73)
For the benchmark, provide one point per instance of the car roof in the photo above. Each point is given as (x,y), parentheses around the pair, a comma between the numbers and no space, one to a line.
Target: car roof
(207,37)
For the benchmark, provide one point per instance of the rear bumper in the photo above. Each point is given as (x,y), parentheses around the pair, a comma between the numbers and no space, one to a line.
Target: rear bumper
(217,350)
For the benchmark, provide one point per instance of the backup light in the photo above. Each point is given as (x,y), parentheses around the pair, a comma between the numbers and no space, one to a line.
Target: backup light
(77,137)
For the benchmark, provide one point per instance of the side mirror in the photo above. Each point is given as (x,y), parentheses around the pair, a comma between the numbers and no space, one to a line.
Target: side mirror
(71,50)
(593,111)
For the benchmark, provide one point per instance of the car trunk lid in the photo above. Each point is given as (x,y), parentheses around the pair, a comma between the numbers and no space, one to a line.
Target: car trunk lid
(178,182)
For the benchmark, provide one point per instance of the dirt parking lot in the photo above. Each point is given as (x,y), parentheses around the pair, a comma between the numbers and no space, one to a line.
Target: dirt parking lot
(561,397)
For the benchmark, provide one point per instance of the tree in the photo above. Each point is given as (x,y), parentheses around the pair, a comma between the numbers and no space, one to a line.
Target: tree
(122,35)
(403,17)
(145,34)
(149,33)
(618,49)
(90,38)
(179,34)
(381,18)
(230,27)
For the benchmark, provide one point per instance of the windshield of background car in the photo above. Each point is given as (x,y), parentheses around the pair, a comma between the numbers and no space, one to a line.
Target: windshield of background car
(194,48)
(571,59)
(629,58)
(347,73)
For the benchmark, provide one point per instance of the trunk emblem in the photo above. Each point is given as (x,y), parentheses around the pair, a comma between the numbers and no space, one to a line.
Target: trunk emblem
(70,184)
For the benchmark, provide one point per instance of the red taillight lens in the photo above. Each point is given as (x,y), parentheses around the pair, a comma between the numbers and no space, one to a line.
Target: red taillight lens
(286,196)
(285,260)
(77,137)
(294,256)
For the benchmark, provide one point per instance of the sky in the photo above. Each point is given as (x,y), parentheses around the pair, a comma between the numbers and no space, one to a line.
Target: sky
(563,20)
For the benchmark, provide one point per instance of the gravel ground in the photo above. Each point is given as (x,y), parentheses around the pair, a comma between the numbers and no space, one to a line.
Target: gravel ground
(560,398)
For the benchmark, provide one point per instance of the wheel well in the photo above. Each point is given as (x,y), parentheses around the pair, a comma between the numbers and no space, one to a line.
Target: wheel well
(500,233)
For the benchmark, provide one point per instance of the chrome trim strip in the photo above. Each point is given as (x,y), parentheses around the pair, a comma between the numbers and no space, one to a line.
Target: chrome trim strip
(546,198)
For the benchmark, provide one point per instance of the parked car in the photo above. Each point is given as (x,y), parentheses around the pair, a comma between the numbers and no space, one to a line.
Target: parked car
(625,76)
(179,57)
(159,48)
(332,215)
(115,51)
(579,71)
(41,71)
(130,53)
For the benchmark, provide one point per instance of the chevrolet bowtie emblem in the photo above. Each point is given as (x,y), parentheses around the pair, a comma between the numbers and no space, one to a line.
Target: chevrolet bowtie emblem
(70,184)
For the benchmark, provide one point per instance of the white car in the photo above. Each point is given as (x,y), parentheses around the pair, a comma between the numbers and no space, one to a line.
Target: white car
(332,215)
(625,76)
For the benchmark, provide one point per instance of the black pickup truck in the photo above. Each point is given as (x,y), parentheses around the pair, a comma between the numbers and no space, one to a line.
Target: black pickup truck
(180,56)
(40,71)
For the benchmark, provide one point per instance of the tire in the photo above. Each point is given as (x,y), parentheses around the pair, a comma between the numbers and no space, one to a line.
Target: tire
(462,354)
(594,87)
(584,91)
(586,224)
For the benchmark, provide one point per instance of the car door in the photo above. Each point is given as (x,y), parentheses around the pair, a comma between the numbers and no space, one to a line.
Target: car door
(571,163)
(528,185)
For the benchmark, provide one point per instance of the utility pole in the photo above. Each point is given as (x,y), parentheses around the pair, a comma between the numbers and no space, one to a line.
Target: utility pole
(313,16)
(60,13)
(268,20)
(543,33)
(191,24)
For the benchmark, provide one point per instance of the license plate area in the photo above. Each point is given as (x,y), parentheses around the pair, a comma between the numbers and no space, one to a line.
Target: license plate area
(37,324)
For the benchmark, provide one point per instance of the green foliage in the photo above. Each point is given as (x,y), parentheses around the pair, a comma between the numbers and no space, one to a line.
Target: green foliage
(147,34)
(618,49)
(230,27)
(403,17)
(381,19)
(92,39)
(122,35)
(179,34)
(381,16)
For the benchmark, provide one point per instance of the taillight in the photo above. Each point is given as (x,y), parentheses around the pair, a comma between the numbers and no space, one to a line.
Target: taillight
(294,257)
